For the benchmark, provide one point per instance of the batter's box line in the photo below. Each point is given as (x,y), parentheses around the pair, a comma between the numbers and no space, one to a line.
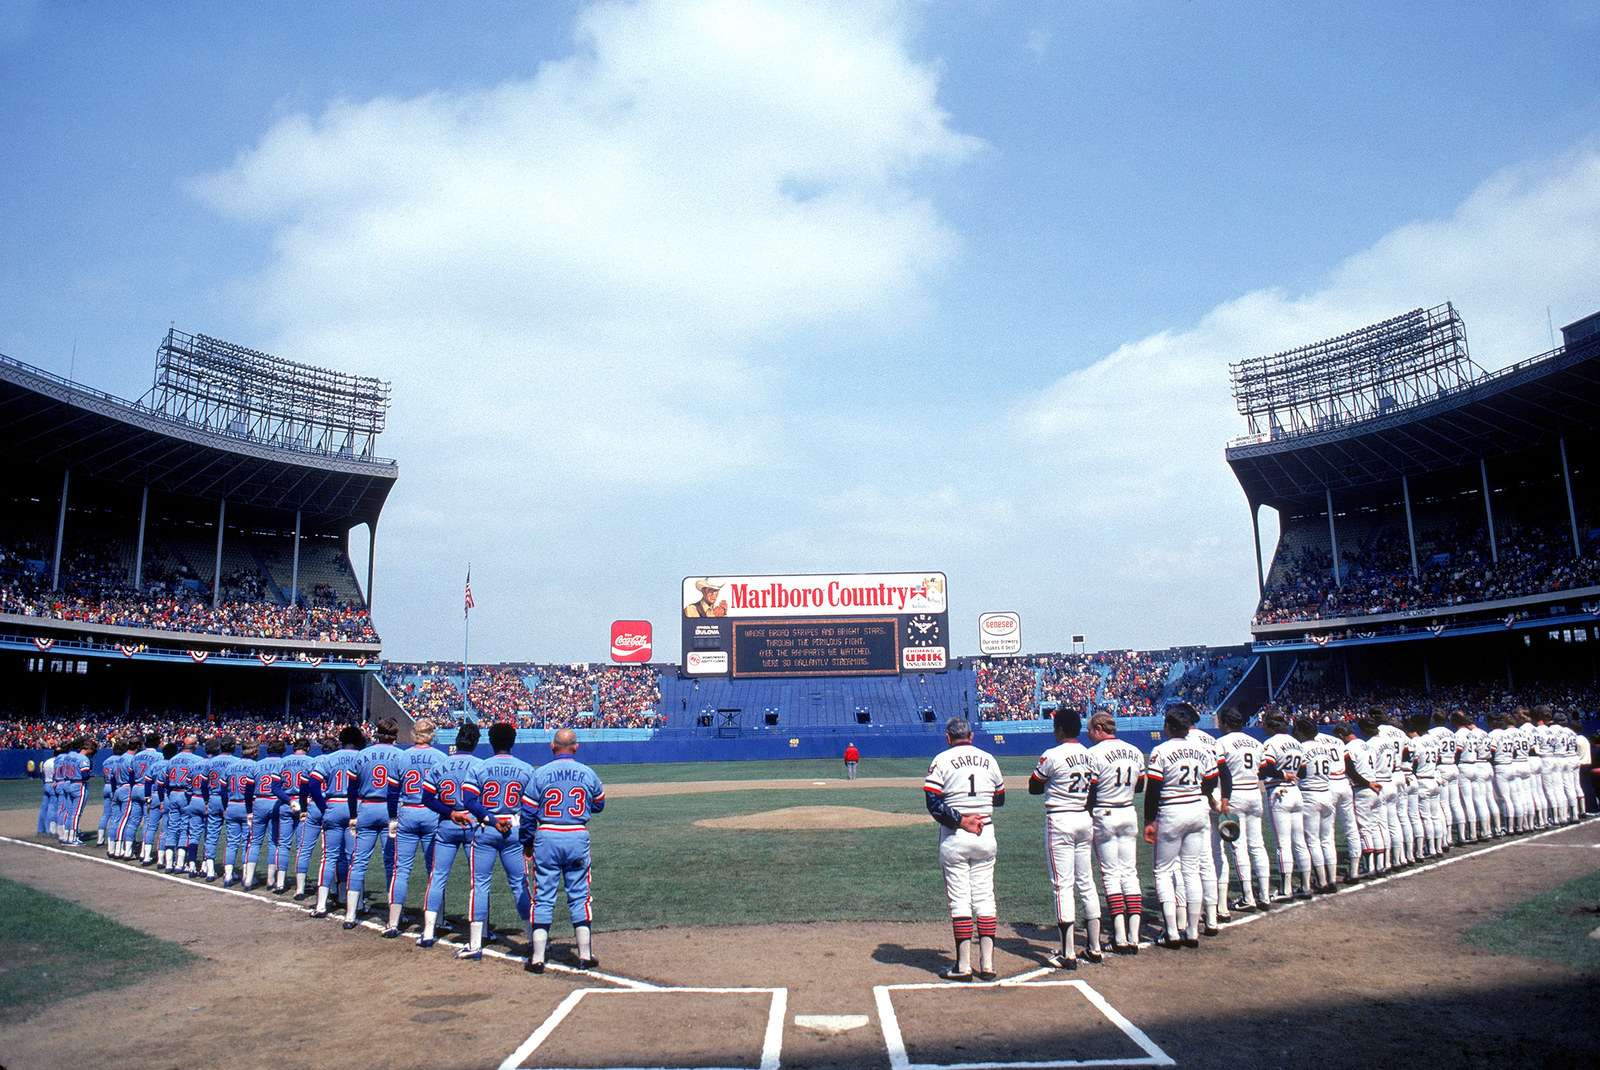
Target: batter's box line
(244,893)
(900,1060)
(771,1041)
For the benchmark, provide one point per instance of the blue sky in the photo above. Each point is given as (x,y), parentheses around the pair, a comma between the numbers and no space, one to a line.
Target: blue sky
(745,287)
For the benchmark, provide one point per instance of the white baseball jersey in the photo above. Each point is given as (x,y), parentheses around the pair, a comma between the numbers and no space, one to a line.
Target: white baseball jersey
(967,778)
(1115,766)
(1180,767)
(1066,772)
(1242,755)
(1362,758)
(1385,750)
(1503,744)
(1425,757)
(1323,755)
(1281,757)
(1338,751)
(1446,743)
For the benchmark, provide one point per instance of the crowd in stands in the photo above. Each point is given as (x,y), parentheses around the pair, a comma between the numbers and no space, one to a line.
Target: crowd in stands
(313,716)
(1132,683)
(532,696)
(1006,690)
(1456,567)
(1328,704)
(1066,679)
(95,590)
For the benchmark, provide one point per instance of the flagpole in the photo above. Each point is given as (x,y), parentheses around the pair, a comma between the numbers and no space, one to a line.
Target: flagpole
(466,646)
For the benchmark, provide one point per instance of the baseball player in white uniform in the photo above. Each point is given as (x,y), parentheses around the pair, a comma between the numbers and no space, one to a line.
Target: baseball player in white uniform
(1425,767)
(962,790)
(1451,811)
(1214,867)
(1281,764)
(1178,782)
(1242,755)
(1344,800)
(1321,753)
(1477,778)
(1503,745)
(1387,743)
(1368,796)
(1118,772)
(1066,780)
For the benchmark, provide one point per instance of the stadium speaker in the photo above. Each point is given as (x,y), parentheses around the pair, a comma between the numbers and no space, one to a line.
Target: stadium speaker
(772,718)
(863,717)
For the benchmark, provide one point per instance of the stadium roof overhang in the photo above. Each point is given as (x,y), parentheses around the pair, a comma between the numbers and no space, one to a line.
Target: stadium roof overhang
(1527,405)
(47,421)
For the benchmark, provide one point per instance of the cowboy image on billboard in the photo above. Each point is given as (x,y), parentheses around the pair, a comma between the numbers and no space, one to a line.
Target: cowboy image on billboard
(707,604)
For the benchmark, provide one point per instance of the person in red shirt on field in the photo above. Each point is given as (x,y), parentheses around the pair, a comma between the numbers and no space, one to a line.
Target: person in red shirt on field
(851,757)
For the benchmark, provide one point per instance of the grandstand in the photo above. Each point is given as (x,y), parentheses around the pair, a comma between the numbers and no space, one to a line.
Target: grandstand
(187,554)
(1437,523)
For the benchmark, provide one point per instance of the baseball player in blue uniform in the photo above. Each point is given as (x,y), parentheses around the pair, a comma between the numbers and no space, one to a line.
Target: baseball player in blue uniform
(238,800)
(133,817)
(173,789)
(48,807)
(412,824)
(311,822)
(271,800)
(502,799)
(330,789)
(217,768)
(376,768)
(73,771)
(443,791)
(294,819)
(111,806)
(566,793)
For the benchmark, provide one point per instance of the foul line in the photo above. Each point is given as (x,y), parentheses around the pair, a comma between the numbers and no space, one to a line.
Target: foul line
(771,1041)
(203,886)
(1524,839)
(899,1059)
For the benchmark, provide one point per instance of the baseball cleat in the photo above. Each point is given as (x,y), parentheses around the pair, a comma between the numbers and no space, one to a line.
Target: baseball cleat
(319,913)
(390,934)
(426,941)
(300,896)
(1243,906)
(950,973)
(984,975)
(1094,954)
(530,966)
(1169,943)
(1304,893)
(588,964)
(1057,961)
(1190,942)
(1124,949)
(472,953)
(1209,930)
(350,925)
(1224,918)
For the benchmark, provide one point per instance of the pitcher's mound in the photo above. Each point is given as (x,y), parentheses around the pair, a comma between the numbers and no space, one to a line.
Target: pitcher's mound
(815,817)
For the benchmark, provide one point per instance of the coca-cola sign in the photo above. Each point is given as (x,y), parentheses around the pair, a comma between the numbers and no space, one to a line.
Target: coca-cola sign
(630,640)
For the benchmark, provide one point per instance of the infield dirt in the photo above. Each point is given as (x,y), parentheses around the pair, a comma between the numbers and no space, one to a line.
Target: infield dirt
(1373,977)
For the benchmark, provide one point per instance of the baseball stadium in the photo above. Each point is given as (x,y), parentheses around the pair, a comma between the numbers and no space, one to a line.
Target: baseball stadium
(196,681)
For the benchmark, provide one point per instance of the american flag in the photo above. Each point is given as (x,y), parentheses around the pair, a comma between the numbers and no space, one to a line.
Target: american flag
(470,603)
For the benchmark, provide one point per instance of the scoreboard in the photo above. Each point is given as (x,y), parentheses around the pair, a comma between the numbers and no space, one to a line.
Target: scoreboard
(784,627)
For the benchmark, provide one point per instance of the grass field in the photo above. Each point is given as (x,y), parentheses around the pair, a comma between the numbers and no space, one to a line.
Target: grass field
(51,949)
(1555,926)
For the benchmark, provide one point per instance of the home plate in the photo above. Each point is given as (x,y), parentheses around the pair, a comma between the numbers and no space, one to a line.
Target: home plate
(830,1023)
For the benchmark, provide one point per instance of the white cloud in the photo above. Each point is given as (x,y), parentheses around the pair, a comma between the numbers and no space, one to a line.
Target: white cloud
(697,178)
(1131,447)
